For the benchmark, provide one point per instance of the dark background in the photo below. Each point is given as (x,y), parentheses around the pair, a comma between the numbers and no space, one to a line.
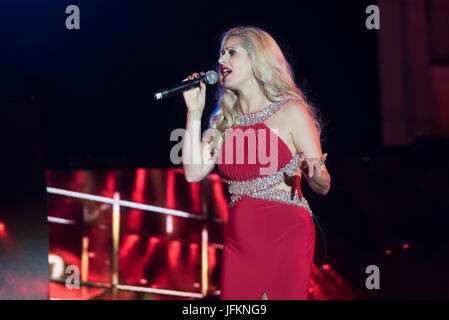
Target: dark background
(94,89)
(96,83)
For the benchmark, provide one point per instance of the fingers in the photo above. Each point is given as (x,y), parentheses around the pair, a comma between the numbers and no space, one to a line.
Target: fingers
(311,170)
(195,75)
(323,158)
(318,170)
(303,164)
(202,84)
(188,78)
(312,165)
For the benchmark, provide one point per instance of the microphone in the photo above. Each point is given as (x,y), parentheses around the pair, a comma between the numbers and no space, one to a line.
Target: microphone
(211,77)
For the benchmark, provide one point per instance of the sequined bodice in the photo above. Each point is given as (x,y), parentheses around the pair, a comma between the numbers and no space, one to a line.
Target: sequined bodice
(254,159)
(252,149)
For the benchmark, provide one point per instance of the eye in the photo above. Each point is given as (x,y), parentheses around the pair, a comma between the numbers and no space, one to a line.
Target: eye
(231,53)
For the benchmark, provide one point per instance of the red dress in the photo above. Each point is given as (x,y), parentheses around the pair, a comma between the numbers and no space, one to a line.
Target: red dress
(269,240)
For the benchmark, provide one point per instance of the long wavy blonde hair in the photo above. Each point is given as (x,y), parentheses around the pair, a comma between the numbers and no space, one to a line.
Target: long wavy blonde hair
(271,70)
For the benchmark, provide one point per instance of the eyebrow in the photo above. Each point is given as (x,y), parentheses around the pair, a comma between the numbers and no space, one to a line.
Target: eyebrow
(227,48)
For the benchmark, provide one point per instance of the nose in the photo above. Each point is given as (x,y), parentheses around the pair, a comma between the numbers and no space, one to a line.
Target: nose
(220,61)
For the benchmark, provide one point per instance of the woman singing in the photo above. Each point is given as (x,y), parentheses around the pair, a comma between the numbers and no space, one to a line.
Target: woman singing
(264,137)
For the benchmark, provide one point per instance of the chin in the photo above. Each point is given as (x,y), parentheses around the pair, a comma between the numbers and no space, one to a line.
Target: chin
(226,86)
(229,86)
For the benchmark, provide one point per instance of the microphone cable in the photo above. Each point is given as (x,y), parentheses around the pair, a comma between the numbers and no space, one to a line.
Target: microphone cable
(325,251)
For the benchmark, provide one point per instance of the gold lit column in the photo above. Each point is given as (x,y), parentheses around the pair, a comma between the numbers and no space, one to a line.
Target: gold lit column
(84,263)
(204,256)
(85,259)
(115,240)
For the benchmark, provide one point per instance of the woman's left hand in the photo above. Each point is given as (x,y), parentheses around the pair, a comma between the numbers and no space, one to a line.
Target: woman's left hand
(309,165)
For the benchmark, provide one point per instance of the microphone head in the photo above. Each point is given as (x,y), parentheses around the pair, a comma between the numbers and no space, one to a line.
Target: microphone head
(211,77)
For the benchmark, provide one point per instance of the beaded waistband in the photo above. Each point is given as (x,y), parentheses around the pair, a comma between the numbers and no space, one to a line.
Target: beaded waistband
(263,187)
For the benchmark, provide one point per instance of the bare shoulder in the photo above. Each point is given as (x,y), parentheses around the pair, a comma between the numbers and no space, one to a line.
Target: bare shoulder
(294,109)
(294,114)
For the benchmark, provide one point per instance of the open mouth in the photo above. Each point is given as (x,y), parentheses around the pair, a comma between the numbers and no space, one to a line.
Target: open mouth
(225,72)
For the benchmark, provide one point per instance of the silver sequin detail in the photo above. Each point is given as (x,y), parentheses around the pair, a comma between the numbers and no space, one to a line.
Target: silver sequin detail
(276,195)
(263,187)
(263,183)
(262,115)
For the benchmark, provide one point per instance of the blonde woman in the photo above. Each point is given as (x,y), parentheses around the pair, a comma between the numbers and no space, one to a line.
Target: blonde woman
(264,137)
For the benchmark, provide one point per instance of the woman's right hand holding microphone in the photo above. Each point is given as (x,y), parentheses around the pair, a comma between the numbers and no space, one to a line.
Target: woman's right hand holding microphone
(195,98)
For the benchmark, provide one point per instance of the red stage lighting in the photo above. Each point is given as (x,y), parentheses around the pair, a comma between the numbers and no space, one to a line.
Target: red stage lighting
(2,229)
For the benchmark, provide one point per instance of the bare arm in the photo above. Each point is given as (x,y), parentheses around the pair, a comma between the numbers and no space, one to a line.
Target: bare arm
(306,139)
(196,156)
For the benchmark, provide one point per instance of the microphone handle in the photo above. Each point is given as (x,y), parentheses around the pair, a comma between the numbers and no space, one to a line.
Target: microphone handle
(183,86)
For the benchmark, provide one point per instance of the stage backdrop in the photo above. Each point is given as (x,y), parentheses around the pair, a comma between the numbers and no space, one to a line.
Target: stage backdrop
(24,269)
